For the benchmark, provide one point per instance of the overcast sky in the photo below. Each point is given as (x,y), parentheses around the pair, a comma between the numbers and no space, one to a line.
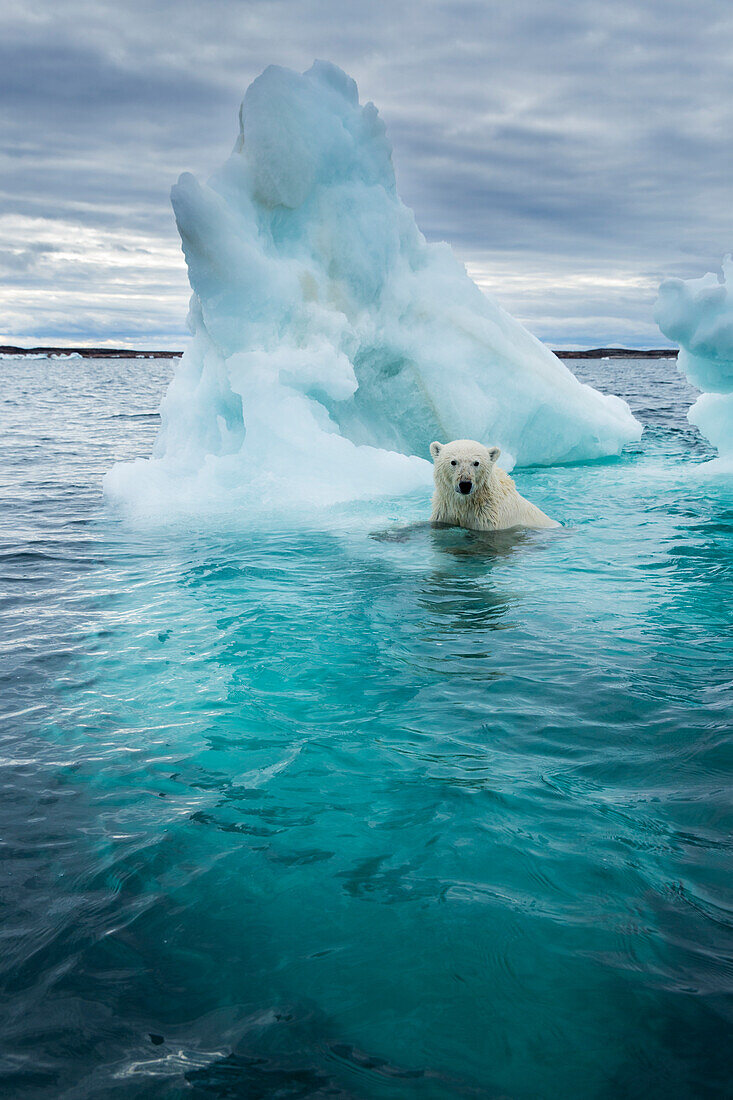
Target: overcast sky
(573,154)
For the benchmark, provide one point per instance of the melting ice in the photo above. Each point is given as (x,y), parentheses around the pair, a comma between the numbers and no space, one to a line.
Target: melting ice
(331,342)
(698,315)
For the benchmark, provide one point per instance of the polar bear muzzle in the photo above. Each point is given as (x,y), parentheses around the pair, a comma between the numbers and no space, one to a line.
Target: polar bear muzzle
(465,487)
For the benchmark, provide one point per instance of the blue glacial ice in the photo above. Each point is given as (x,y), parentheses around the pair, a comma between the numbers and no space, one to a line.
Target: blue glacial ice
(698,315)
(331,342)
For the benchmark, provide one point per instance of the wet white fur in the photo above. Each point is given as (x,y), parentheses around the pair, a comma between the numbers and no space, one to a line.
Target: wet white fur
(493,503)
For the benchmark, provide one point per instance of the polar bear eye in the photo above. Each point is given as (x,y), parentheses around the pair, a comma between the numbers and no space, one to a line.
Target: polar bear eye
(475,463)
(453,462)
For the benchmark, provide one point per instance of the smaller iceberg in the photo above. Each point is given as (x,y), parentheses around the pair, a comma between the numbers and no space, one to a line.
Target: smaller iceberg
(698,315)
(331,342)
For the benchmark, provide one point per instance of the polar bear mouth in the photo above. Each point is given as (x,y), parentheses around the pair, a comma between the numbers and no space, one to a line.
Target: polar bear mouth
(465,487)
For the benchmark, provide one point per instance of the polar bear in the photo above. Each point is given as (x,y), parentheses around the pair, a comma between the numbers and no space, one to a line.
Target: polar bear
(471,491)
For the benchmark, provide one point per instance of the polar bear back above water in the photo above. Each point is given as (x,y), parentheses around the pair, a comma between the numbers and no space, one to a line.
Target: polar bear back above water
(472,491)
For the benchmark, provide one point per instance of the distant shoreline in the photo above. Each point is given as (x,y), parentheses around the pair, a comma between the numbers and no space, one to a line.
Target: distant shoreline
(619,353)
(91,353)
(131,353)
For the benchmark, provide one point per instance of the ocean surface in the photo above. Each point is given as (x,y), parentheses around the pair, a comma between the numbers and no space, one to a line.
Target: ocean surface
(377,811)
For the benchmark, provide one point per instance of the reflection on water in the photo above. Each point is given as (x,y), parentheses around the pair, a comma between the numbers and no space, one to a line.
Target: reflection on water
(388,810)
(463,543)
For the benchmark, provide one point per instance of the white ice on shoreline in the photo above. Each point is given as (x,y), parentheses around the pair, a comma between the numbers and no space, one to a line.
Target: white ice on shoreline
(698,314)
(331,342)
(40,355)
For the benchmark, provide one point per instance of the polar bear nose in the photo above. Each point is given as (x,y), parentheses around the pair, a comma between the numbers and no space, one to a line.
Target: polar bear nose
(465,487)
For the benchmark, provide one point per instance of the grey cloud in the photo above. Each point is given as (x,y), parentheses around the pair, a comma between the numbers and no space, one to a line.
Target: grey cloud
(584,141)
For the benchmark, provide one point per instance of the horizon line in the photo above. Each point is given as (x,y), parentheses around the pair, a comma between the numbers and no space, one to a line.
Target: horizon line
(97,352)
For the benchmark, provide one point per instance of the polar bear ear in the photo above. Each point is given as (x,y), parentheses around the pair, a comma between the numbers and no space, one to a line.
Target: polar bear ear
(435,448)
(494,453)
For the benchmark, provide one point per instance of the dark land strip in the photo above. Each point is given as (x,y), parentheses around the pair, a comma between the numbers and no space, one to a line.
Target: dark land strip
(134,353)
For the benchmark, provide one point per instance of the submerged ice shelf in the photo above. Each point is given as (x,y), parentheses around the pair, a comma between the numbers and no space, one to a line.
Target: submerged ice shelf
(331,342)
(698,314)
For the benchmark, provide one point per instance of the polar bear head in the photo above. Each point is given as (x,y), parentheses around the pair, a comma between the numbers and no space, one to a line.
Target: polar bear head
(463,466)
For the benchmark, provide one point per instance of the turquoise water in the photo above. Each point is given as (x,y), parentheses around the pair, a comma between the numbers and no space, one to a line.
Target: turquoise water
(371,811)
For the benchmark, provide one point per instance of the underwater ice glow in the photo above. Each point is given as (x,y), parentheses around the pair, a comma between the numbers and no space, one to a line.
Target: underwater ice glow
(698,314)
(331,342)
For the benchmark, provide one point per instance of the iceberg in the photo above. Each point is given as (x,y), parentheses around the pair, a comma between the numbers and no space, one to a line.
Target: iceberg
(331,342)
(698,315)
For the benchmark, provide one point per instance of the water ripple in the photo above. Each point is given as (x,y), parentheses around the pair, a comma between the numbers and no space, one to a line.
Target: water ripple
(380,810)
